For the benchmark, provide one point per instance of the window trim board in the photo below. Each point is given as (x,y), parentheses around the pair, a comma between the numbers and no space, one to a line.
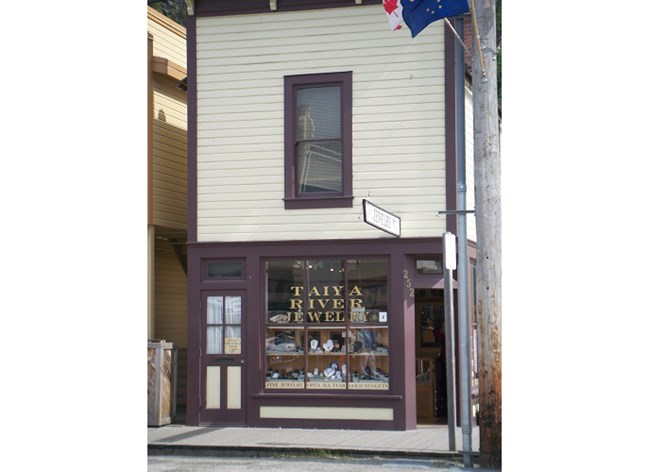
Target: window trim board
(326,200)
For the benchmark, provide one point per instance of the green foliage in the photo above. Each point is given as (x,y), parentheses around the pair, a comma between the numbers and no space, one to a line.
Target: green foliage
(173,9)
(498,19)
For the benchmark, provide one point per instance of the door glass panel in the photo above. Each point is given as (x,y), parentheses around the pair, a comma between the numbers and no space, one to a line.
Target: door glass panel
(215,310)
(223,330)
(214,340)
(233,310)
(233,332)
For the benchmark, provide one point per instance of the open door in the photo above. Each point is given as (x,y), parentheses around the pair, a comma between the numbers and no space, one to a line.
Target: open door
(223,361)
(430,370)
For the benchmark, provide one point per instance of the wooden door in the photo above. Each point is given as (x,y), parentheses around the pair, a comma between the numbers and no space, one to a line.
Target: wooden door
(223,360)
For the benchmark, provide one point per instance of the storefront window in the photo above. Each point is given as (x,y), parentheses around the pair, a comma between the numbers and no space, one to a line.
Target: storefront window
(327,324)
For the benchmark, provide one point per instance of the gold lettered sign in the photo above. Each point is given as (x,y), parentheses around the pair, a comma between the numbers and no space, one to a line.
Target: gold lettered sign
(368,386)
(284,384)
(325,385)
(232,346)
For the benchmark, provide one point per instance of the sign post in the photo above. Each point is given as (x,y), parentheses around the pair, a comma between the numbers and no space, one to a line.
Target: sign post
(449,255)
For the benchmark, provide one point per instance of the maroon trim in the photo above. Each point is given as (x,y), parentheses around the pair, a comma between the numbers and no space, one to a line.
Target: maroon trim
(318,202)
(237,7)
(421,247)
(450,129)
(193,265)
(401,397)
(292,200)
(191,129)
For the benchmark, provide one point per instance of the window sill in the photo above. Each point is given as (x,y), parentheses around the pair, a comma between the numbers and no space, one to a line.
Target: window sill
(318,202)
(321,395)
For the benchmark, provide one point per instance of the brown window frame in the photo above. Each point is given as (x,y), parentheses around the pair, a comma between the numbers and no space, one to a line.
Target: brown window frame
(292,199)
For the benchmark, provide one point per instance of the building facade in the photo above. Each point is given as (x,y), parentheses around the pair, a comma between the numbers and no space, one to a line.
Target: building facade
(167,188)
(300,313)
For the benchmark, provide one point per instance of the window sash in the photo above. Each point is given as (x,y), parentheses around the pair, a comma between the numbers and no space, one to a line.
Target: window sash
(318,149)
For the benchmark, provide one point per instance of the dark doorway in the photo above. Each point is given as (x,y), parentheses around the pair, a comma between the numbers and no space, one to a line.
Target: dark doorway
(430,369)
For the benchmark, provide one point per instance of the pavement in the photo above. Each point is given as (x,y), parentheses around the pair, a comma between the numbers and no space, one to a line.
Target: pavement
(429,441)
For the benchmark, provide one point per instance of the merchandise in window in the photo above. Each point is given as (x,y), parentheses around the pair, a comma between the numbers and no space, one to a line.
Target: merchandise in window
(327,325)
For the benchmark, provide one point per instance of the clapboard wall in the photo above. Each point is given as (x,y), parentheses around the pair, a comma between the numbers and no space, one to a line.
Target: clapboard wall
(398,122)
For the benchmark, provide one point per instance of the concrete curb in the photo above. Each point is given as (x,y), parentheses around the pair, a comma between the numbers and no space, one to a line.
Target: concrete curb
(252,451)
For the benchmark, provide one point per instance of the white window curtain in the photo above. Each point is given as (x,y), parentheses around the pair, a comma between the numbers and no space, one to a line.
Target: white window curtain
(233,332)
(215,310)
(214,341)
(233,310)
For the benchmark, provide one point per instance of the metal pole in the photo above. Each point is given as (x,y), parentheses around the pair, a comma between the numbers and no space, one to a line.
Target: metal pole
(449,353)
(463,318)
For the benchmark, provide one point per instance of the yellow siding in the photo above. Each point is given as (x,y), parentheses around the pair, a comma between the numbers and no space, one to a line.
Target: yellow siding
(169,42)
(170,296)
(169,154)
(169,145)
(398,122)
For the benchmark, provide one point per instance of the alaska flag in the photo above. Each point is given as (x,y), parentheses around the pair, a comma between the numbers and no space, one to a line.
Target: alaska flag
(418,14)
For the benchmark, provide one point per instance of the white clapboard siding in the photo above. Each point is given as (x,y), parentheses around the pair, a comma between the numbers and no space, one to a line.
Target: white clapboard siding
(169,147)
(398,122)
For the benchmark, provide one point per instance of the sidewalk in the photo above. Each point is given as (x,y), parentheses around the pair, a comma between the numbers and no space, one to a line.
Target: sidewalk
(426,441)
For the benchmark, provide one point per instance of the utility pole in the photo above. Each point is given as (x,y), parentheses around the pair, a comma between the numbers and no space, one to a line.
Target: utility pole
(487,179)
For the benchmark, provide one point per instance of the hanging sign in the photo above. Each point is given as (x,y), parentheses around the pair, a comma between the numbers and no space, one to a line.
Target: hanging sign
(380,218)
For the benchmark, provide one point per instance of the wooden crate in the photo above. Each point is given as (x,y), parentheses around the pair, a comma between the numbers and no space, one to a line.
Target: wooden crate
(161,386)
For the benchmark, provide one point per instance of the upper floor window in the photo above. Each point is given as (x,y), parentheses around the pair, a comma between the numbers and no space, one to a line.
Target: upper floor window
(318,140)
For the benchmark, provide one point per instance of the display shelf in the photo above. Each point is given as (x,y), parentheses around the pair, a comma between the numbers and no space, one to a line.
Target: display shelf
(369,354)
(327,358)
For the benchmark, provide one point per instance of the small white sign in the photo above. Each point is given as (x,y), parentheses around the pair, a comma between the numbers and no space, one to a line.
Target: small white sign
(383,316)
(380,218)
(449,240)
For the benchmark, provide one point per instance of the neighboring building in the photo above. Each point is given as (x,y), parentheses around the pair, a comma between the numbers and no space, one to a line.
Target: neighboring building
(167,188)
(300,313)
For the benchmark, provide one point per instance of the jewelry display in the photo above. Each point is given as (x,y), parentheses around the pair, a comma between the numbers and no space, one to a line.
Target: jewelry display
(327,358)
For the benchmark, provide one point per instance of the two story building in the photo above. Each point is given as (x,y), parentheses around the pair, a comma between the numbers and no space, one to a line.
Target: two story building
(304,116)
(167,188)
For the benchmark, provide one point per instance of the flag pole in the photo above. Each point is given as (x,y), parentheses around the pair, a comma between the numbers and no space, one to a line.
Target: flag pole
(453,30)
(478,39)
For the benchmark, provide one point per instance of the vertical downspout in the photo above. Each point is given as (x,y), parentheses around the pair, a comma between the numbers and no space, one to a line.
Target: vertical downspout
(151,241)
(461,191)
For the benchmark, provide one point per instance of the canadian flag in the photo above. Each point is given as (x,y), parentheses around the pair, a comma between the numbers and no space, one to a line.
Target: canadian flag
(393,9)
